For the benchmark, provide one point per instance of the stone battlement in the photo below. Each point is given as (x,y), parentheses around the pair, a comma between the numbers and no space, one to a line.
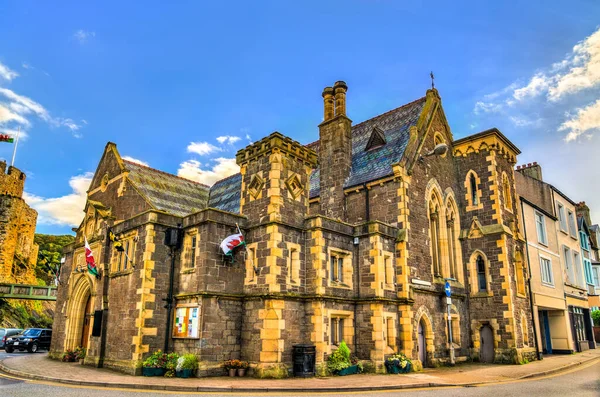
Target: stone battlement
(11,182)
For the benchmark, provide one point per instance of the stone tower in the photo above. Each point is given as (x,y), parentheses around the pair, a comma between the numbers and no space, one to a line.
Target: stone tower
(18,252)
(335,151)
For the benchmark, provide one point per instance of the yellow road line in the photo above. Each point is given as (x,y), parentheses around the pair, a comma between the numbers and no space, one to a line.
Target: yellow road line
(204,393)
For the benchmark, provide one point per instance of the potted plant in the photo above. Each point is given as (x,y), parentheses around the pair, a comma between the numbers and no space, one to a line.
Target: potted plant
(339,362)
(80,354)
(69,356)
(155,364)
(398,364)
(231,366)
(241,371)
(187,365)
(171,364)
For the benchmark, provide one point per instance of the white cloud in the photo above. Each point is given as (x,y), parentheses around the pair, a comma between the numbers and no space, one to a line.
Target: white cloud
(487,107)
(22,136)
(229,139)
(585,120)
(82,36)
(20,106)
(538,84)
(583,68)
(192,169)
(6,73)
(202,148)
(64,210)
(134,160)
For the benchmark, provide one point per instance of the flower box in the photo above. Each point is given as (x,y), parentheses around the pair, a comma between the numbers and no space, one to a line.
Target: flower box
(185,373)
(153,371)
(394,367)
(351,370)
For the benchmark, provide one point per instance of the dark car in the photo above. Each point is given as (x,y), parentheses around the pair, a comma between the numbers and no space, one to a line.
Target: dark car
(6,332)
(31,339)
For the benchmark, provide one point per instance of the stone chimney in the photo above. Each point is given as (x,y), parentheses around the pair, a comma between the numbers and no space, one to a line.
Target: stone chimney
(335,151)
(531,170)
(583,210)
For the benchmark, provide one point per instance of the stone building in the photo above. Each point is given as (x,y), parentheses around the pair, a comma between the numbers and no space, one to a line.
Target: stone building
(348,238)
(18,252)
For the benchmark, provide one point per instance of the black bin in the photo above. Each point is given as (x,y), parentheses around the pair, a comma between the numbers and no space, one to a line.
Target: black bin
(304,360)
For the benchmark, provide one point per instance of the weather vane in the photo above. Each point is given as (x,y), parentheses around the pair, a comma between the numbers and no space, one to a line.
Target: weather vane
(432,77)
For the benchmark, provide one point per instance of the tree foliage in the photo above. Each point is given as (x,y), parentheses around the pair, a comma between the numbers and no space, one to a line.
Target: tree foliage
(49,254)
(596,317)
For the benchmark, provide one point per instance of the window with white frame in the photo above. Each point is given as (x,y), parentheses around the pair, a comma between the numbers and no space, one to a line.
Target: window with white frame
(596,275)
(569,265)
(577,268)
(540,224)
(562,218)
(572,226)
(585,244)
(546,268)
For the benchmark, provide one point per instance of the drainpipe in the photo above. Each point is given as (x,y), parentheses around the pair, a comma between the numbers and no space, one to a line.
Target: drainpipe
(537,347)
(173,240)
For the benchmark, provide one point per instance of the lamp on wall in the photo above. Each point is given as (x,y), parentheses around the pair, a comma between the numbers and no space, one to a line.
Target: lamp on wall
(439,150)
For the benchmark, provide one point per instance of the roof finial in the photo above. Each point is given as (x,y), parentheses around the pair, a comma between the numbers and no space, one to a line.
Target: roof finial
(432,77)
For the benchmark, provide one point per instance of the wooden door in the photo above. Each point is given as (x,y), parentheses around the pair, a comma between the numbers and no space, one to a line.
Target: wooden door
(85,334)
(486,351)
(422,344)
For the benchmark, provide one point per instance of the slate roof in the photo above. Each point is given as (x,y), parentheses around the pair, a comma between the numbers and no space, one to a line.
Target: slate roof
(225,194)
(168,192)
(376,163)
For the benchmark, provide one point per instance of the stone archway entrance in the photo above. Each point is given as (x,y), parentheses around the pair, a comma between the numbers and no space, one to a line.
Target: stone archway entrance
(422,344)
(79,314)
(486,347)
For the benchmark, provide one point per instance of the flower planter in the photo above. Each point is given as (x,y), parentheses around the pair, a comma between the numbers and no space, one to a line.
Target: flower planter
(232,372)
(351,370)
(393,367)
(241,371)
(153,371)
(185,373)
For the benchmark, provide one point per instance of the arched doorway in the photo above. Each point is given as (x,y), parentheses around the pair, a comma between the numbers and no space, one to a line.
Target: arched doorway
(79,313)
(422,344)
(486,347)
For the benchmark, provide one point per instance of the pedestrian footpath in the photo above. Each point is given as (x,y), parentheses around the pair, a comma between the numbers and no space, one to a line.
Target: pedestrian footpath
(40,367)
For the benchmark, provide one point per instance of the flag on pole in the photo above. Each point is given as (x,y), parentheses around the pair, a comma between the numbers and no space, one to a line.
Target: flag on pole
(6,138)
(231,243)
(89,259)
(115,240)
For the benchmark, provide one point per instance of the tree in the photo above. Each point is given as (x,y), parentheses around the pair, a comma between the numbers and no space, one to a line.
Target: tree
(49,255)
(596,317)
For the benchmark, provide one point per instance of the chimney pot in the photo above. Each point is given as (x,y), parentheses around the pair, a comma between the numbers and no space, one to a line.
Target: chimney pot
(340,89)
(535,163)
(528,164)
(328,103)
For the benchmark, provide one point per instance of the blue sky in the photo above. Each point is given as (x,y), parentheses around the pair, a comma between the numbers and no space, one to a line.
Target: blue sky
(164,81)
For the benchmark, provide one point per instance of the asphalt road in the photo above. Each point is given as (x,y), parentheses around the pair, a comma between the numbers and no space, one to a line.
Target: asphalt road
(582,381)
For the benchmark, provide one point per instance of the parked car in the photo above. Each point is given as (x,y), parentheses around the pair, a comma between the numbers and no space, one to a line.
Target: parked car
(6,332)
(31,339)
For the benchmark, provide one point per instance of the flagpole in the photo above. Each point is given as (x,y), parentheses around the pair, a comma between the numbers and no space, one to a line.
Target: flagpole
(247,251)
(15,149)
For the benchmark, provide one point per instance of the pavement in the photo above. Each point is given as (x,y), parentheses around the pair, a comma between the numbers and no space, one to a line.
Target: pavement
(40,367)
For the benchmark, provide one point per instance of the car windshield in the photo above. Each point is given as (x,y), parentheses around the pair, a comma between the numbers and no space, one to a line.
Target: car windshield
(31,332)
(2,332)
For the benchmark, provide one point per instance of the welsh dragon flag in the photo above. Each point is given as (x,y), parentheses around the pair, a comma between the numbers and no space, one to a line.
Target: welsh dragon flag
(89,259)
(231,243)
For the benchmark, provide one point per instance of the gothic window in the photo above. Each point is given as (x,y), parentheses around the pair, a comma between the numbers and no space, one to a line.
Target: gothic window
(520,273)
(508,204)
(434,230)
(472,188)
(481,274)
(453,242)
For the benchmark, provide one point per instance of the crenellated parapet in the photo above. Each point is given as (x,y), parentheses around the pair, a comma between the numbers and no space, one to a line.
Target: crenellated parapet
(277,141)
(12,181)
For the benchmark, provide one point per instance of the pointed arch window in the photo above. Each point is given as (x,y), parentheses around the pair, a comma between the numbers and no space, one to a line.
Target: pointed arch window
(481,276)
(452,242)
(473,192)
(508,204)
(434,228)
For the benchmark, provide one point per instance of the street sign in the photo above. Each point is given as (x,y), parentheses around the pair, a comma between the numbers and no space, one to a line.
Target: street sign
(447,289)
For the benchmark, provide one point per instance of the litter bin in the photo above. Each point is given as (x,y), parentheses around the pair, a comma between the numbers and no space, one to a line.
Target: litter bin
(304,360)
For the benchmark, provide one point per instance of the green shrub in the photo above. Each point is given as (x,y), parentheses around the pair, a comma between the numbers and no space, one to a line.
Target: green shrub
(187,361)
(158,359)
(171,364)
(596,317)
(344,351)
